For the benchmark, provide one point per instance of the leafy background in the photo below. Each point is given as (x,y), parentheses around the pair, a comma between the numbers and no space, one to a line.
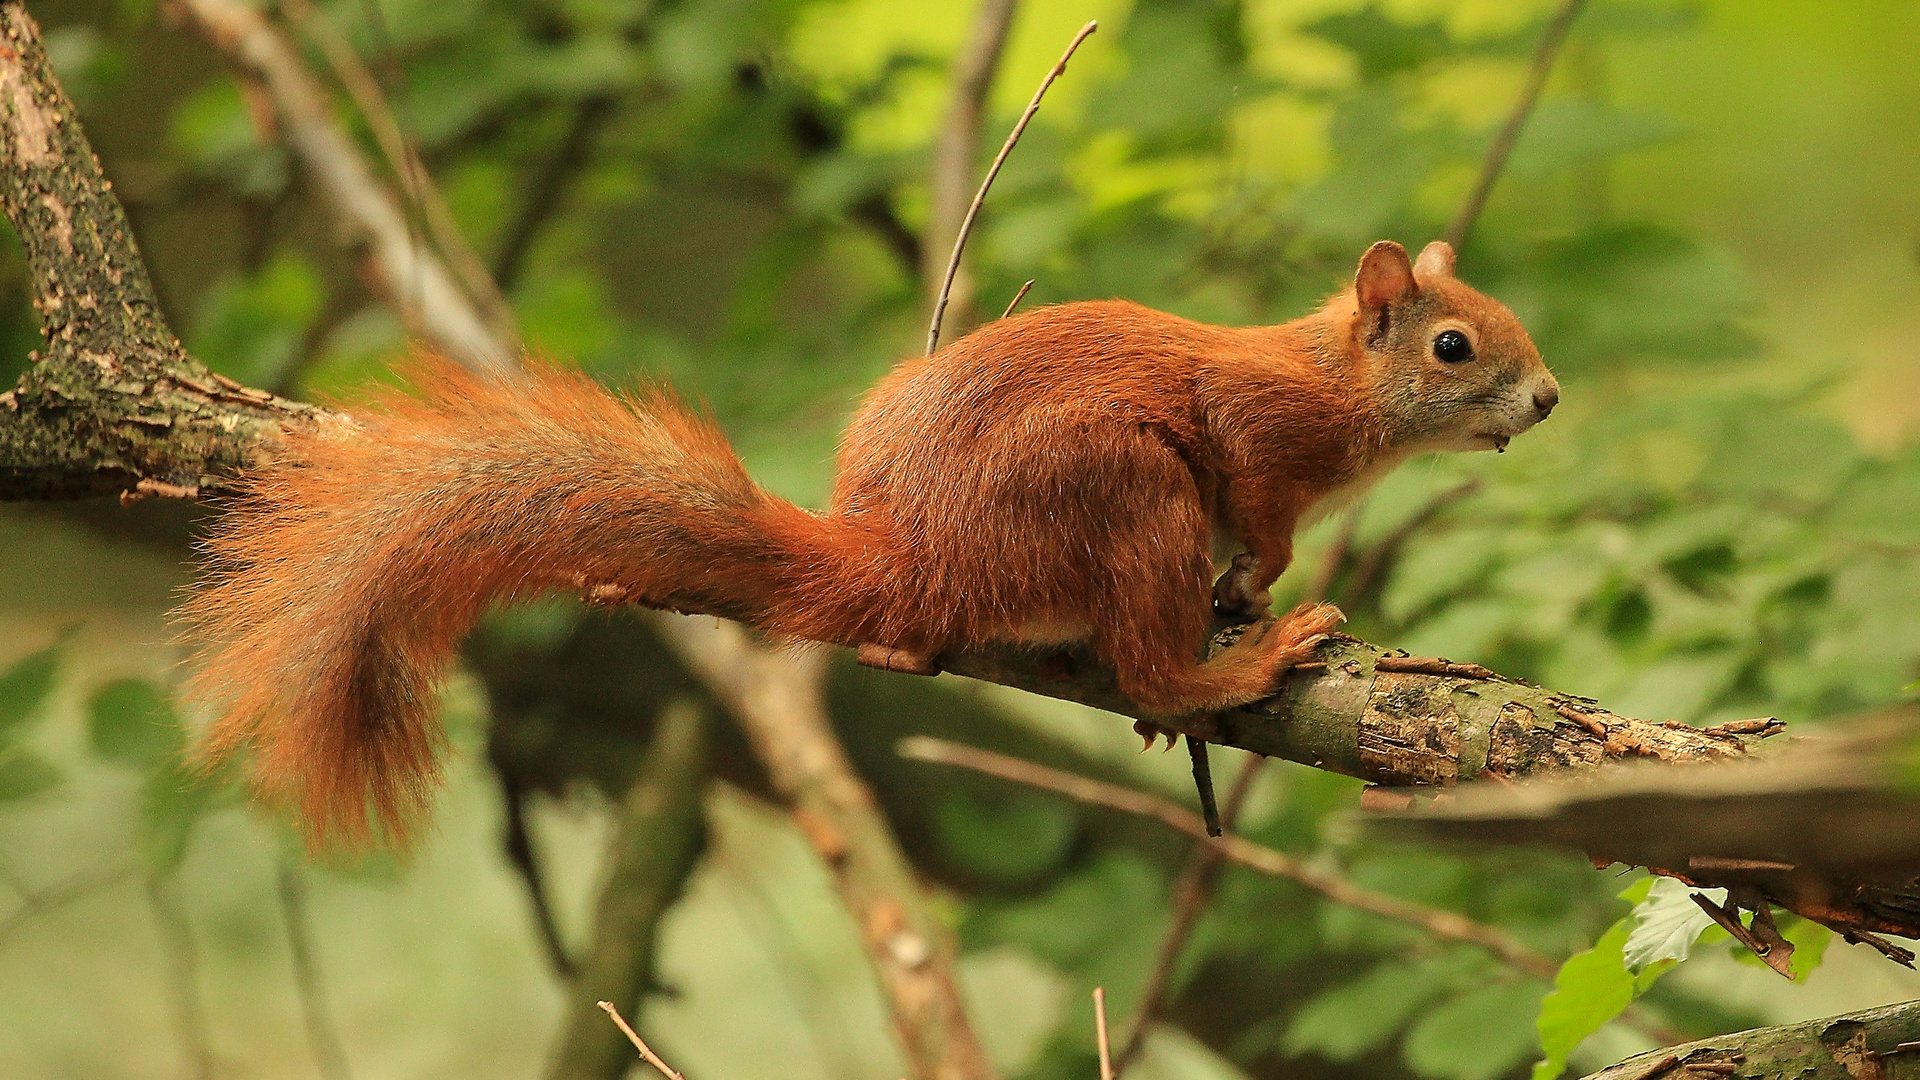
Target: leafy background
(1710,227)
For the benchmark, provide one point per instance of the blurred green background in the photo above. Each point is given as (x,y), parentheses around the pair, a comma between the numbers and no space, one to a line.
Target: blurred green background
(1711,227)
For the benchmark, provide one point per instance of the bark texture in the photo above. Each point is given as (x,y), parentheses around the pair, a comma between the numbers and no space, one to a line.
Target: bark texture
(112,402)
(1878,1044)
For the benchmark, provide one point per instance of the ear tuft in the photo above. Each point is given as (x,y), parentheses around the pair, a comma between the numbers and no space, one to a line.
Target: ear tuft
(1436,260)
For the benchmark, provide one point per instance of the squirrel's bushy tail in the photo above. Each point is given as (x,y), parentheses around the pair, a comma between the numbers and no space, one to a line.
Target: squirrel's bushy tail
(341,583)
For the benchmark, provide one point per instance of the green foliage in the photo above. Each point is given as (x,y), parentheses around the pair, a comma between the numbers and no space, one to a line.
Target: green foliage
(1693,535)
(132,724)
(23,691)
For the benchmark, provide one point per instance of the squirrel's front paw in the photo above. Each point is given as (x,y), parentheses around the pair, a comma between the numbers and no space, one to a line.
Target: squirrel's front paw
(1234,597)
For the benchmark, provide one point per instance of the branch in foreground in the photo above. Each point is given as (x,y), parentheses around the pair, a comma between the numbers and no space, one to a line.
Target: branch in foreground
(1877,1044)
(1436,921)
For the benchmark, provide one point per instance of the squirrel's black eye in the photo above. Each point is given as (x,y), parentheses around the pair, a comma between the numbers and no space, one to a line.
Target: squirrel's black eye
(1452,347)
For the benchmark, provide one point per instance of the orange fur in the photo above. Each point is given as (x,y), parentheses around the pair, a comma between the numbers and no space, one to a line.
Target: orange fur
(1054,476)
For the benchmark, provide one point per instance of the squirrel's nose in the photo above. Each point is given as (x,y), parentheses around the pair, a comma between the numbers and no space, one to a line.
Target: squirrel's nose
(1545,400)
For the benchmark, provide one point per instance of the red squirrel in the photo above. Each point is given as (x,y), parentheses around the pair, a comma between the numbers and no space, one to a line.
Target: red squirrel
(1057,476)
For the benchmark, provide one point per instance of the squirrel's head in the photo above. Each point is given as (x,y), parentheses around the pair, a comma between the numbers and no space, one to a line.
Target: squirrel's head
(1450,368)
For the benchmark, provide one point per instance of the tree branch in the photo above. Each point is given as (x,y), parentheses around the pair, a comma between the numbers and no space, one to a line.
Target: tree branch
(649,856)
(1436,921)
(113,403)
(417,283)
(1875,1044)
(1502,147)
(776,696)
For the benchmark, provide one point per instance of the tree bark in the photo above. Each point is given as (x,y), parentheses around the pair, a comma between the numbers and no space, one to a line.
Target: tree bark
(112,403)
(1877,1044)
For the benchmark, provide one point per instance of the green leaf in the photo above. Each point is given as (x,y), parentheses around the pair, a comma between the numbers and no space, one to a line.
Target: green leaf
(24,775)
(172,800)
(130,722)
(24,687)
(1480,1035)
(1666,925)
(1591,989)
(1358,1017)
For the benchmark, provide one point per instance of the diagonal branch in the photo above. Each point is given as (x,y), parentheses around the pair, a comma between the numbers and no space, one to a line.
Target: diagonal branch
(417,283)
(777,698)
(1495,162)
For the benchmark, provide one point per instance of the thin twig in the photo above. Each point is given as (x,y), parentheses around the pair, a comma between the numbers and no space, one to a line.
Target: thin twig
(1368,567)
(518,842)
(1337,553)
(973,211)
(953,146)
(1439,922)
(328,1051)
(1017,297)
(404,159)
(1100,1031)
(549,186)
(35,904)
(1191,894)
(183,965)
(640,1044)
(1496,158)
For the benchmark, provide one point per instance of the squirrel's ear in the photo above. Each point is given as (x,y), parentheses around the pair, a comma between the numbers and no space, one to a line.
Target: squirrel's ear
(1384,281)
(1435,259)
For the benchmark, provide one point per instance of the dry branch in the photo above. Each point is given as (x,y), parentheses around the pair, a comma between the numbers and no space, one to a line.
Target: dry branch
(777,698)
(417,283)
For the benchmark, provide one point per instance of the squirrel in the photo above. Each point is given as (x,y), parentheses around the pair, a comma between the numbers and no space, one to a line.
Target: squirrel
(1057,476)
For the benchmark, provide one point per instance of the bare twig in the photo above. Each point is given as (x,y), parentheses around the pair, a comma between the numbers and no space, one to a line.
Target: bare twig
(183,967)
(1502,147)
(1100,1032)
(649,855)
(980,196)
(640,1044)
(1191,894)
(518,842)
(549,186)
(404,159)
(328,1052)
(1017,297)
(418,283)
(1440,923)
(973,72)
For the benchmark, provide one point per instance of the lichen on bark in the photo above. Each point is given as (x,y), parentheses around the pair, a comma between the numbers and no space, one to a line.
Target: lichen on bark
(112,402)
